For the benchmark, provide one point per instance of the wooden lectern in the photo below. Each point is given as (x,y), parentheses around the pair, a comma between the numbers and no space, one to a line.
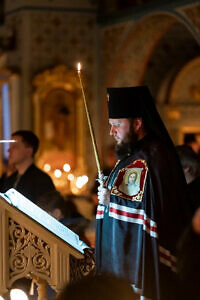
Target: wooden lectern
(34,245)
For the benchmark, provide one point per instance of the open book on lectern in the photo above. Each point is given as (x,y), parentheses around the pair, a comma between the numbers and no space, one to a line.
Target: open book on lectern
(26,206)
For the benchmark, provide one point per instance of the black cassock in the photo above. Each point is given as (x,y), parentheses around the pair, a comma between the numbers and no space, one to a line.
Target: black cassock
(137,233)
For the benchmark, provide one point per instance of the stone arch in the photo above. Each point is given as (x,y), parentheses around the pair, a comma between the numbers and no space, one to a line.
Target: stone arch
(131,64)
(186,85)
(139,44)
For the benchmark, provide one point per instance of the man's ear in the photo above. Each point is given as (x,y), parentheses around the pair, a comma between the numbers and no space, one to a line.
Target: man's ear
(137,124)
(30,151)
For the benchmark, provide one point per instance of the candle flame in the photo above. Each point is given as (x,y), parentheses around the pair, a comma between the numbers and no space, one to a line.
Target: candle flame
(79,67)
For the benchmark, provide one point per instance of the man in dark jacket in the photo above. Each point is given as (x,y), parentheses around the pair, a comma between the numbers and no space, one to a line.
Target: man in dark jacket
(191,168)
(142,207)
(29,180)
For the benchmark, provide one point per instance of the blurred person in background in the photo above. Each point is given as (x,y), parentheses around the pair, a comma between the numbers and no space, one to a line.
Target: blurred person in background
(98,287)
(29,180)
(8,170)
(189,259)
(191,141)
(191,168)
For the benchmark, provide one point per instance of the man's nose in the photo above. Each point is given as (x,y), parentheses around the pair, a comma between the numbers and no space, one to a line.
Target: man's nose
(112,130)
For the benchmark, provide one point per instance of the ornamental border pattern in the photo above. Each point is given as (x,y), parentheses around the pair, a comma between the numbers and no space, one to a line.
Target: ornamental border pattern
(27,252)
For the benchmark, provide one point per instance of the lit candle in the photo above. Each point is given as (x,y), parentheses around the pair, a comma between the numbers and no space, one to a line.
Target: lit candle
(79,67)
(100,175)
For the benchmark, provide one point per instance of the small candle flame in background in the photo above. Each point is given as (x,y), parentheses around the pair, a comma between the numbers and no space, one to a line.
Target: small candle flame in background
(79,67)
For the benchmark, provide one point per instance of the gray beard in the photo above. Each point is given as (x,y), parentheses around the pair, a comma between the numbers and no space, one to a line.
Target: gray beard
(126,147)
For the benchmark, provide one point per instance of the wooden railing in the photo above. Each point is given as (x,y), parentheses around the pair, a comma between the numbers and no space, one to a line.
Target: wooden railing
(29,249)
